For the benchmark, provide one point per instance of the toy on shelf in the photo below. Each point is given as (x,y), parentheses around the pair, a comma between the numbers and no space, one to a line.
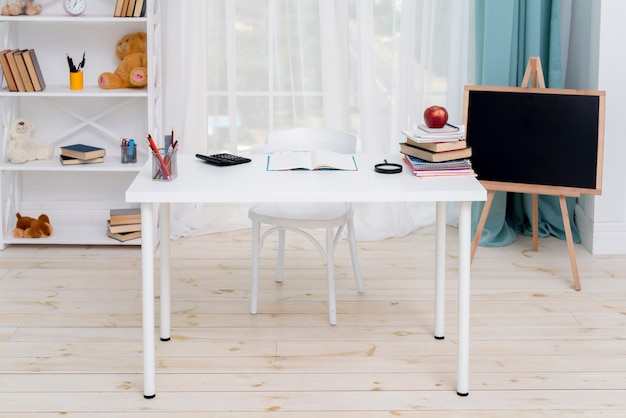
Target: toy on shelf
(27,227)
(23,147)
(21,7)
(133,68)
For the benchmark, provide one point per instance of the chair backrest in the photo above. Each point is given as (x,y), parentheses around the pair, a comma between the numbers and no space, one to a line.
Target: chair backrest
(308,139)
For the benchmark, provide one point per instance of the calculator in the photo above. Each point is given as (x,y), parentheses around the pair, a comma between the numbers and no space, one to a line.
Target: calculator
(223,159)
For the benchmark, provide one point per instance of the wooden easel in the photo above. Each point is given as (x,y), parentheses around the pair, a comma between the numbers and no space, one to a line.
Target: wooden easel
(533,77)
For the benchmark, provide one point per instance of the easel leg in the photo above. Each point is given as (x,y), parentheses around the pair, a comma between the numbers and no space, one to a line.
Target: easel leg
(570,242)
(481,223)
(535,222)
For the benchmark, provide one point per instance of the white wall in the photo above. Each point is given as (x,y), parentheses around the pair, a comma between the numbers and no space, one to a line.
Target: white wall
(596,61)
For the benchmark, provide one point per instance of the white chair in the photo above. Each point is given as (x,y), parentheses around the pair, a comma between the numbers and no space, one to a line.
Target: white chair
(298,217)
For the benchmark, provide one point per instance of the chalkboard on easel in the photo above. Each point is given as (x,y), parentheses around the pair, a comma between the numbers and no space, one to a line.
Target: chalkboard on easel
(536,140)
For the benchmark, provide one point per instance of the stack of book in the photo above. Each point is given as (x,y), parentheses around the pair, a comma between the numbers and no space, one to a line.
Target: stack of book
(130,8)
(21,70)
(81,154)
(124,224)
(437,151)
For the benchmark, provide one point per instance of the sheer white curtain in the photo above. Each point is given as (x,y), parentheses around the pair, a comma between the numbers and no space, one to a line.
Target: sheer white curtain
(365,66)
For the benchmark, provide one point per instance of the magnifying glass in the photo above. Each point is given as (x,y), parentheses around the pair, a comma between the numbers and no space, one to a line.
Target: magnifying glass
(388,168)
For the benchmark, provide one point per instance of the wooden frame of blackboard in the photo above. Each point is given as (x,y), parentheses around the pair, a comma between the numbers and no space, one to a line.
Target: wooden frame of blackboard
(536,140)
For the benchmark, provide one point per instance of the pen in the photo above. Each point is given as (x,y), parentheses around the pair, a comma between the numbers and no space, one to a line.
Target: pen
(70,62)
(81,64)
(165,173)
(452,126)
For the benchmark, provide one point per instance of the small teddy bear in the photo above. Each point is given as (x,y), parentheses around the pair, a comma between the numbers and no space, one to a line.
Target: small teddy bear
(133,68)
(27,227)
(22,147)
(21,7)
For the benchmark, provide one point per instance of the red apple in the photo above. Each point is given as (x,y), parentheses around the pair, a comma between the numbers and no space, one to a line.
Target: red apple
(435,116)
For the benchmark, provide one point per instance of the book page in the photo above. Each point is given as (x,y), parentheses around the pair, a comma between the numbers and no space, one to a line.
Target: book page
(324,159)
(310,160)
(294,160)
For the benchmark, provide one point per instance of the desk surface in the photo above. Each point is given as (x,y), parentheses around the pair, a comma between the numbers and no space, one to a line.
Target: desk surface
(200,182)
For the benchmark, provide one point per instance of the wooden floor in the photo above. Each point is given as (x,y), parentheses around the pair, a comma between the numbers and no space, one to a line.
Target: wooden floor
(70,334)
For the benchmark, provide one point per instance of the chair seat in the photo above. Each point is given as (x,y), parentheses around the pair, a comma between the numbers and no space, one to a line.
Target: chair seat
(301,215)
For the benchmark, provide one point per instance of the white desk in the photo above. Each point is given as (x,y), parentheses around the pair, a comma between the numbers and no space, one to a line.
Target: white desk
(200,182)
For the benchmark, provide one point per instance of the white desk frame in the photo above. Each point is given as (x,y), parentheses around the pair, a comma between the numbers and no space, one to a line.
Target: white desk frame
(251,183)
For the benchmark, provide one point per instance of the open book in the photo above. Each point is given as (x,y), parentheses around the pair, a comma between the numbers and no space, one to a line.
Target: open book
(310,160)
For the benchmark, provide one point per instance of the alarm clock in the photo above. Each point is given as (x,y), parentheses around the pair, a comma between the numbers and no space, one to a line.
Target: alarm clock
(74,7)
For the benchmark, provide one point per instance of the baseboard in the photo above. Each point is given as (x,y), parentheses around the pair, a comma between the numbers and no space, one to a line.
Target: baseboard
(600,238)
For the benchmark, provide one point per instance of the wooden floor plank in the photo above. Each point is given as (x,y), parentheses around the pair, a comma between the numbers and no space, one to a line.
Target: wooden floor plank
(70,333)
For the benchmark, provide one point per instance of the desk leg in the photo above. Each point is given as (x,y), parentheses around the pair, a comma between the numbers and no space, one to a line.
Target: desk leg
(465,237)
(164,251)
(147,301)
(440,271)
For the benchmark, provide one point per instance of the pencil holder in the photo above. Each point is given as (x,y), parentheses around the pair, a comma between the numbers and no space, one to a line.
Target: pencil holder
(129,154)
(164,165)
(76,80)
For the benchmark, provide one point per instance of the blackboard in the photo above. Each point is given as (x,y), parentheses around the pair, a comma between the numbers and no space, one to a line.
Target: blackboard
(539,140)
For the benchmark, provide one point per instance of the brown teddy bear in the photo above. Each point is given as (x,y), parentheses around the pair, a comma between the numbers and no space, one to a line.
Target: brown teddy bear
(21,7)
(27,227)
(133,70)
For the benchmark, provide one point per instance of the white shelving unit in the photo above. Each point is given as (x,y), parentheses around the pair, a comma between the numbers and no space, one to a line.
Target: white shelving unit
(77,198)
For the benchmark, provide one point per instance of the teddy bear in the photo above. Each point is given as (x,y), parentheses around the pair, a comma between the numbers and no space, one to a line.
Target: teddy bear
(27,227)
(23,147)
(21,7)
(133,68)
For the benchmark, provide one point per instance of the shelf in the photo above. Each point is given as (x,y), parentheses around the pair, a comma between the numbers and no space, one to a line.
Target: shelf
(111,163)
(86,18)
(77,197)
(87,91)
(72,228)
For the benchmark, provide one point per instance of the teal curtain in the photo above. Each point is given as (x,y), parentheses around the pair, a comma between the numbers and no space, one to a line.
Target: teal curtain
(508,32)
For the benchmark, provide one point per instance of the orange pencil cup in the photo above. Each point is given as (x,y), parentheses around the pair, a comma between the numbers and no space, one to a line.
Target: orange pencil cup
(76,80)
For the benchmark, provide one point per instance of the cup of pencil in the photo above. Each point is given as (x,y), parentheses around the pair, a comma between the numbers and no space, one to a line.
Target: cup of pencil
(164,164)
(76,73)
(76,80)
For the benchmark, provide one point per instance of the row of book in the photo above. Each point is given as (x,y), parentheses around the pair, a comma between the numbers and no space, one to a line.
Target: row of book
(435,152)
(130,8)
(81,154)
(124,224)
(21,70)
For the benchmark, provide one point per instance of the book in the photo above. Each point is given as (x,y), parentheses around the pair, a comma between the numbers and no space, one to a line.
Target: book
(436,157)
(65,160)
(438,146)
(124,8)
(14,70)
(21,67)
(34,70)
(140,8)
(82,152)
(131,8)
(124,236)
(439,169)
(117,12)
(6,70)
(122,228)
(419,164)
(446,129)
(124,216)
(311,160)
(426,137)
